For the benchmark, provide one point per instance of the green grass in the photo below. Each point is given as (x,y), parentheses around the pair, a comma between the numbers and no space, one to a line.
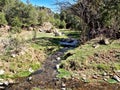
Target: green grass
(116,66)
(81,58)
(48,43)
(22,74)
(103,66)
(111,81)
(35,65)
(36,88)
(63,74)
(19,66)
(82,52)
(71,33)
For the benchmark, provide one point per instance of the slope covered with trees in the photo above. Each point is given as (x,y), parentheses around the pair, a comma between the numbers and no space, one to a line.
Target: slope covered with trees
(18,14)
(96,17)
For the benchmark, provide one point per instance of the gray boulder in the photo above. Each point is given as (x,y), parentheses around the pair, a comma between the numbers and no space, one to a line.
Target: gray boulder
(104,41)
(57,33)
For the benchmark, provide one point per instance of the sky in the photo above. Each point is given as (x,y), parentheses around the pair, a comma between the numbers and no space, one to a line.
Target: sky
(46,3)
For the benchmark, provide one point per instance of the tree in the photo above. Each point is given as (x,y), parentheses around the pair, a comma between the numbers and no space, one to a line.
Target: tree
(56,16)
(42,16)
(16,22)
(63,15)
(57,23)
(32,15)
(14,13)
(96,17)
(62,24)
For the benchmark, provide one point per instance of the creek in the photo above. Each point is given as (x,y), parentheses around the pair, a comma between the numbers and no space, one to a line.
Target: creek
(45,78)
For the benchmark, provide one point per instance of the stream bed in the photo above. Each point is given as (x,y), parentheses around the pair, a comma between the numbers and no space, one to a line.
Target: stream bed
(45,78)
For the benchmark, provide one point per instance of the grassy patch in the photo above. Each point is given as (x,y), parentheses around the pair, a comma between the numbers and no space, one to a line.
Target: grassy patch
(84,59)
(35,66)
(19,66)
(71,33)
(63,73)
(116,66)
(111,81)
(36,88)
(22,74)
(103,66)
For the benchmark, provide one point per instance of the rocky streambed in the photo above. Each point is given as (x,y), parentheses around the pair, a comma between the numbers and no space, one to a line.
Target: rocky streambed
(45,78)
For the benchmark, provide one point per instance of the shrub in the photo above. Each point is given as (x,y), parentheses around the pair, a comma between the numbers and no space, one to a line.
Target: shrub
(16,22)
(14,45)
(2,18)
(57,23)
(15,30)
(62,24)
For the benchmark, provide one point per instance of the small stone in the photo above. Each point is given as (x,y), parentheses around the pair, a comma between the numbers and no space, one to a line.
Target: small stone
(118,71)
(96,45)
(1,79)
(106,41)
(57,33)
(6,83)
(105,79)
(104,74)
(63,88)
(95,77)
(10,81)
(1,87)
(13,55)
(83,76)
(57,66)
(63,84)
(29,78)
(31,70)
(1,83)
(2,72)
(116,78)
(58,58)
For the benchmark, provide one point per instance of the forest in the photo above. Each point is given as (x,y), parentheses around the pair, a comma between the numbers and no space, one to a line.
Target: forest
(75,48)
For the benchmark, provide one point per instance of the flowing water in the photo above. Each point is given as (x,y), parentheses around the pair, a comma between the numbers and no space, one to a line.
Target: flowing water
(45,78)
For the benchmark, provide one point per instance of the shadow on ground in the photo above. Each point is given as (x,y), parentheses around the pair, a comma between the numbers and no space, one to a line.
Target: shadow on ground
(47,41)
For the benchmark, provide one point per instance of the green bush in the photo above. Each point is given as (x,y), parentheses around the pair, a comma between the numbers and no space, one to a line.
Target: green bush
(2,18)
(62,24)
(63,73)
(15,22)
(15,30)
(14,44)
(57,23)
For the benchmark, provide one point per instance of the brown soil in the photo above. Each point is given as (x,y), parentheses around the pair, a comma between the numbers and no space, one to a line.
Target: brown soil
(105,57)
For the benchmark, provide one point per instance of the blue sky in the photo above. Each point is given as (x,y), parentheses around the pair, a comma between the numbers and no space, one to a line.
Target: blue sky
(46,3)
